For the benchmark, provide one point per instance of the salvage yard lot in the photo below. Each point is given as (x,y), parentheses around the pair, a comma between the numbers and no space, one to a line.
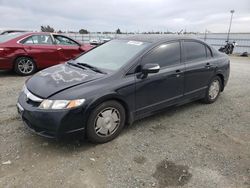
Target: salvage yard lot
(195,145)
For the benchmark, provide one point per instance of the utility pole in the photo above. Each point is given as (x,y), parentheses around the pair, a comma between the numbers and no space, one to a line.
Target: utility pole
(232,12)
(205,35)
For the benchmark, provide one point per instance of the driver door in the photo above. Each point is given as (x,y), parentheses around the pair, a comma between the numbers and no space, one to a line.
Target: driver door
(161,89)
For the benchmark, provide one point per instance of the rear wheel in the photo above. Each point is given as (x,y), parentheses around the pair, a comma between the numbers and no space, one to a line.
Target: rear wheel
(213,90)
(106,122)
(24,66)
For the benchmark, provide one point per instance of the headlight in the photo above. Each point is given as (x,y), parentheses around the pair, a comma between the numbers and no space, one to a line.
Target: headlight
(61,104)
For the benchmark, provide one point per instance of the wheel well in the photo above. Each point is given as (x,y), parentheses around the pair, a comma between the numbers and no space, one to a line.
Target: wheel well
(222,81)
(127,118)
(125,106)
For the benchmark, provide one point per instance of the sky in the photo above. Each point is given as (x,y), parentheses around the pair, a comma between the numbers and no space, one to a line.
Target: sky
(128,15)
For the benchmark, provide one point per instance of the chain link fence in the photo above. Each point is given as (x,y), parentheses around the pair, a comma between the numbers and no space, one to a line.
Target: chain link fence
(215,39)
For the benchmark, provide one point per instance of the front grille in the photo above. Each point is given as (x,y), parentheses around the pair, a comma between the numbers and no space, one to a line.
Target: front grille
(31,98)
(33,103)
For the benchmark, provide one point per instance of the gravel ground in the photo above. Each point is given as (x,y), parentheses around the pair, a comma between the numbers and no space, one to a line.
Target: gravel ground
(195,145)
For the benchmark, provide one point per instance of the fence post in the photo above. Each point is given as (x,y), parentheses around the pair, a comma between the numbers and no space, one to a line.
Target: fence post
(205,35)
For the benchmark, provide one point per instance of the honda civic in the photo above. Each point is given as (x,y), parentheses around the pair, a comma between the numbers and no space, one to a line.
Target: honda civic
(119,82)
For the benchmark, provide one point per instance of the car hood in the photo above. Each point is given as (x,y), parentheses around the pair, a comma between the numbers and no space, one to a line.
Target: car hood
(58,78)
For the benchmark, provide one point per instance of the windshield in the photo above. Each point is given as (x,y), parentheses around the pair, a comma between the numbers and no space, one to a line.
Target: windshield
(9,36)
(112,55)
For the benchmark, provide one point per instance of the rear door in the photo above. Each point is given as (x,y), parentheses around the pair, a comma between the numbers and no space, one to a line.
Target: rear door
(67,47)
(200,66)
(41,48)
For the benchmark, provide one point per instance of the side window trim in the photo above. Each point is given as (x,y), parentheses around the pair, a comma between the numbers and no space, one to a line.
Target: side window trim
(134,67)
(210,51)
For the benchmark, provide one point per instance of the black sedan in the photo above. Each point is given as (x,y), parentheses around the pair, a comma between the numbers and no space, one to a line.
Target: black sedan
(119,82)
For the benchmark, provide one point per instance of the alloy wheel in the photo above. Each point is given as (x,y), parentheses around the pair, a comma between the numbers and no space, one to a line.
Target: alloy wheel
(25,66)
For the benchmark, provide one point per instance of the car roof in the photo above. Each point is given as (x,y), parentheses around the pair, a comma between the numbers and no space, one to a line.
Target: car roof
(11,31)
(25,34)
(39,33)
(156,38)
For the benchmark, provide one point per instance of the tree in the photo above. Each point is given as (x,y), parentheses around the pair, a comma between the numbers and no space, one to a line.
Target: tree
(47,29)
(83,31)
(118,31)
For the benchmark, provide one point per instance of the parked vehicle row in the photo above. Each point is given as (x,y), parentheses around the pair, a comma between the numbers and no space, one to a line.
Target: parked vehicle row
(27,52)
(119,82)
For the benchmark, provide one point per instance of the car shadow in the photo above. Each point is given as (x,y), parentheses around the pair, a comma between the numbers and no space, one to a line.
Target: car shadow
(76,142)
(11,74)
(77,139)
(67,144)
(167,112)
(7,73)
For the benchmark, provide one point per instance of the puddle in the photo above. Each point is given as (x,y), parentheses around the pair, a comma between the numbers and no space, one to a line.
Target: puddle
(169,174)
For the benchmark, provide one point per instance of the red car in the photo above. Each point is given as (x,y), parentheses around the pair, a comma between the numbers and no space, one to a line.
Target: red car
(27,52)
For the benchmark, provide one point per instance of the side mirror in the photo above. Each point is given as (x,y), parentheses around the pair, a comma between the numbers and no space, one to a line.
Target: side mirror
(149,69)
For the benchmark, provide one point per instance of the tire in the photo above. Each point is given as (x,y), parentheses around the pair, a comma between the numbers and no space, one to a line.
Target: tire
(25,66)
(212,94)
(105,122)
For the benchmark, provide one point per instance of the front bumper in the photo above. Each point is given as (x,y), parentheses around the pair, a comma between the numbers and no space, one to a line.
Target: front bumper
(50,123)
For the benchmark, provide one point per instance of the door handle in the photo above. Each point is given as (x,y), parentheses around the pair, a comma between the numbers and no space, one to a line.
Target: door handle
(59,48)
(208,65)
(172,74)
(178,72)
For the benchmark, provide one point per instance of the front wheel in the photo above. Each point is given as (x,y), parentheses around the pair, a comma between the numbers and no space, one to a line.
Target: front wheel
(213,90)
(24,66)
(105,122)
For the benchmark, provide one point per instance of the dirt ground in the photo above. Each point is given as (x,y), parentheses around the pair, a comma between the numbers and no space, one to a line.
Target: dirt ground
(195,145)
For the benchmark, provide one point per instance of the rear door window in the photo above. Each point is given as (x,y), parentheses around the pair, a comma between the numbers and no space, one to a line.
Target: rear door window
(38,40)
(165,55)
(194,51)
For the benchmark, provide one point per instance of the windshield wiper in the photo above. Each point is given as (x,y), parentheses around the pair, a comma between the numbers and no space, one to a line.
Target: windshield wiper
(85,65)
(76,65)
(91,67)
